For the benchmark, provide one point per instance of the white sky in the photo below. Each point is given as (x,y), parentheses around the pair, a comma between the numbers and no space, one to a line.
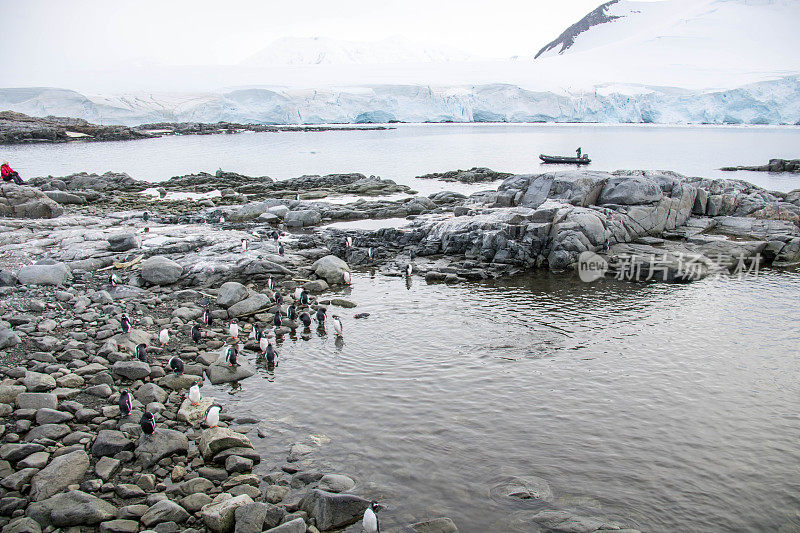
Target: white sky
(56,35)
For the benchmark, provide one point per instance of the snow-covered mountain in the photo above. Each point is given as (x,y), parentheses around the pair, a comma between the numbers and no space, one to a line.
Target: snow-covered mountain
(326,51)
(720,35)
(771,102)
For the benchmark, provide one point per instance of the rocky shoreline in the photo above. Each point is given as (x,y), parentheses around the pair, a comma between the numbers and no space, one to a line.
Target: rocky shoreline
(18,128)
(69,462)
(774,165)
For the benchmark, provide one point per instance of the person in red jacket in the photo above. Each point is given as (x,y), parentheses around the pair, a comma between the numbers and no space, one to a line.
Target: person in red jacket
(9,174)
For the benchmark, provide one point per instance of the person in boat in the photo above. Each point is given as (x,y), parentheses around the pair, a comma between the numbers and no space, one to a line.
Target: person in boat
(578,151)
(9,174)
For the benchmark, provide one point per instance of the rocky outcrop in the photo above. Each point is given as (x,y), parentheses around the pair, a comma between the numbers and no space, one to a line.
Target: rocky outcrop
(774,165)
(473,175)
(19,128)
(26,202)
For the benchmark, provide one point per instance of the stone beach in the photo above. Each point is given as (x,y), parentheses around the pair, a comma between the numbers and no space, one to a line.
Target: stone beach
(70,462)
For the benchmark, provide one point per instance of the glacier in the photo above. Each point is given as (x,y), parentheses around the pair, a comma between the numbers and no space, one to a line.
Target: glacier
(773,102)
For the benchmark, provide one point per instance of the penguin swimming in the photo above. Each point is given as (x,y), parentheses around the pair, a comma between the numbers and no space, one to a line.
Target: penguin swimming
(337,325)
(207,318)
(194,394)
(163,337)
(197,334)
(305,318)
(370,521)
(230,356)
(126,324)
(271,354)
(291,312)
(141,352)
(148,423)
(212,416)
(125,403)
(233,331)
(176,364)
(277,321)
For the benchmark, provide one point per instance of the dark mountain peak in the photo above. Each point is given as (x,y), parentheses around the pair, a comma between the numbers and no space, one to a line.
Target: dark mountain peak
(594,18)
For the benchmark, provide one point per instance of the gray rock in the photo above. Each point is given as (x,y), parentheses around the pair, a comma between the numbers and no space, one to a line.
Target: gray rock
(194,415)
(318,285)
(235,464)
(150,392)
(132,370)
(35,460)
(249,306)
(333,511)
(23,525)
(123,242)
(7,279)
(14,452)
(216,440)
(26,202)
(435,525)
(73,508)
(297,525)
(331,268)
(553,520)
(336,483)
(300,219)
(62,471)
(164,511)
(221,372)
(231,293)
(37,400)
(119,525)
(107,467)
(159,270)
(18,479)
(48,431)
(150,449)
(8,338)
(221,516)
(630,191)
(65,198)
(51,416)
(57,274)
(250,518)
(110,442)
(523,488)
(38,382)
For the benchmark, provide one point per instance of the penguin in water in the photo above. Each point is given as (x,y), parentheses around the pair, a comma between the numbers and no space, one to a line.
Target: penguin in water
(230,356)
(244,245)
(207,318)
(148,423)
(176,364)
(281,249)
(277,321)
(279,298)
(321,314)
(114,280)
(233,331)
(304,297)
(370,520)
(271,354)
(409,270)
(337,326)
(346,277)
(263,343)
(305,318)
(125,403)
(141,352)
(126,324)
(212,416)
(163,337)
(197,334)
(194,394)
(291,312)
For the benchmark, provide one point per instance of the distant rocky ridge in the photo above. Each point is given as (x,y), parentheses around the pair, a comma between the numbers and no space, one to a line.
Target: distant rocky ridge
(774,165)
(567,39)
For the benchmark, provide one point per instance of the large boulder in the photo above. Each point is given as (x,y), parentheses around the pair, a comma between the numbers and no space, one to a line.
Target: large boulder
(62,472)
(110,442)
(435,525)
(231,293)
(8,338)
(221,516)
(630,191)
(150,449)
(194,414)
(132,370)
(333,511)
(216,440)
(331,268)
(57,274)
(73,508)
(63,197)
(248,306)
(221,372)
(122,242)
(26,202)
(160,270)
(301,219)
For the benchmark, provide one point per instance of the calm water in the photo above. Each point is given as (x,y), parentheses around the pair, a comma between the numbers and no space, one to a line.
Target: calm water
(413,150)
(673,407)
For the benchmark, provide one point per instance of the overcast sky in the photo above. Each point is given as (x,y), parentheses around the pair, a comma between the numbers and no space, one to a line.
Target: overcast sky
(57,36)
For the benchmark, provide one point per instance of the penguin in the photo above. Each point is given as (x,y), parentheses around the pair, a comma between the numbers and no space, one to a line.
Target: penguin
(176,364)
(114,280)
(305,319)
(126,324)
(148,423)
(207,318)
(255,333)
(145,216)
(370,521)
(297,197)
(230,356)
(291,312)
(244,245)
(277,321)
(606,246)
(194,394)
(197,334)
(222,219)
(337,325)
(141,352)
(125,403)
(271,354)
(163,337)
(270,283)
(349,241)
(304,298)
(233,331)
(263,343)
(298,292)
(212,416)
(346,277)
(409,270)
(281,250)
(275,235)
(321,316)
(369,254)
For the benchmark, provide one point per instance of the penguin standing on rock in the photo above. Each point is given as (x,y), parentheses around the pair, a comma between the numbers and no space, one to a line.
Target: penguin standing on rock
(197,334)
(346,277)
(126,323)
(279,298)
(194,394)
(263,344)
(212,416)
(304,297)
(207,318)
(271,283)
(141,352)
(281,249)
(349,241)
(163,337)
(114,280)
(233,330)
(255,333)
(277,321)
(298,292)
(176,364)
(148,423)
(145,216)
(230,356)
(125,403)
(370,521)
(291,312)
(244,245)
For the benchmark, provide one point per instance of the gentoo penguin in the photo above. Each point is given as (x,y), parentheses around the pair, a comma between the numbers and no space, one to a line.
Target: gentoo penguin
(207,318)
(277,321)
(125,403)
(222,219)
(163,337)
(126,324)
(297,197)
(275,235)
(230,356)
(270,283)
(255,333)
(281,249)
(141,352)
(370,521)
(369,254)
(291,312)
(304,297)
(114,280)
(349,241)
(279,298)
(337,325)
(346,277)
(194,394)
(244,245)
(271,354)
(305,318)
(197,334)
(212,416)
(145,216)
(233,330)
(176,364)
(606,246)
(298,292)
(321,316)
(409,270)
(263,343)
(148,423)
